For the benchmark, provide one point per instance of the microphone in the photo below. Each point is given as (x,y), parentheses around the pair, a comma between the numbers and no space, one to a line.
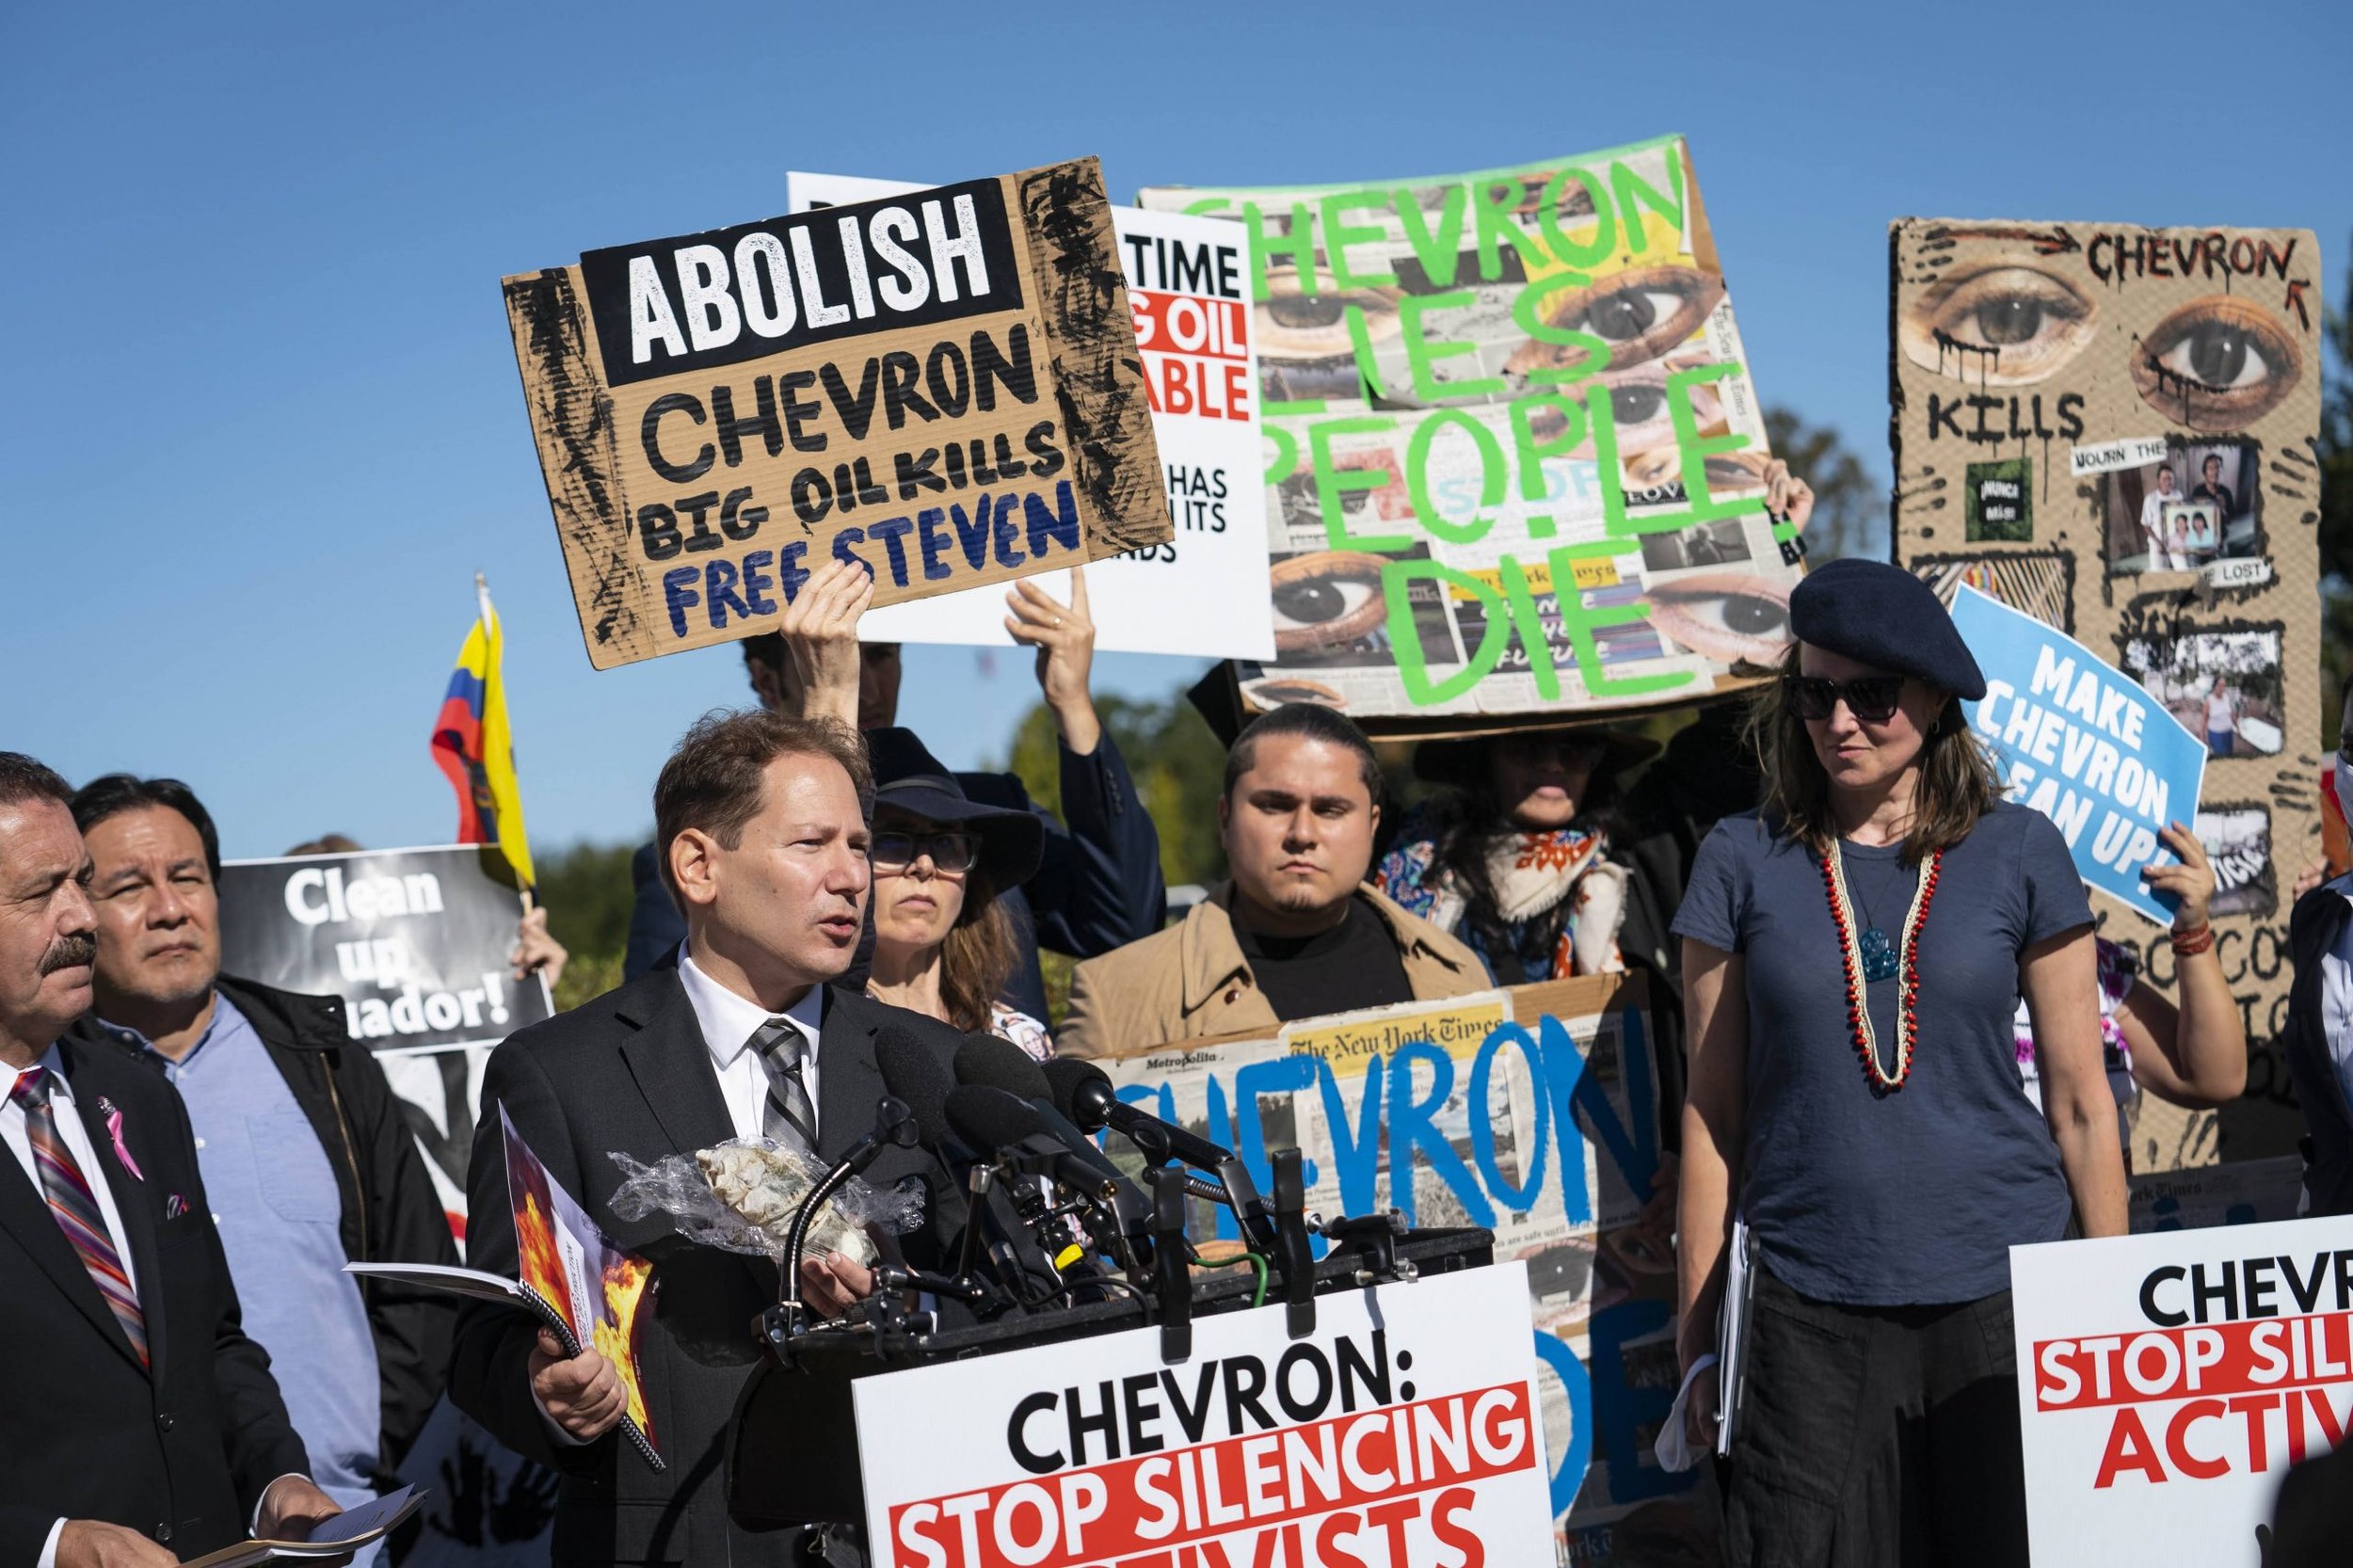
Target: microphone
(986,1059)
(1033,1239)
(894,1127)
(1084,1093)
(913,1072)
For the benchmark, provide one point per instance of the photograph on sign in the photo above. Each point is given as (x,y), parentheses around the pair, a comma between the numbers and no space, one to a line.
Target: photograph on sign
(2238,836)
(414,940)
(2222,685)
(2039,582)
(2168,1381)
(1530,1111)
(940,386)
(2199,503)
(2077,740)
(1194,594)
(1256,1449)
(1488,394)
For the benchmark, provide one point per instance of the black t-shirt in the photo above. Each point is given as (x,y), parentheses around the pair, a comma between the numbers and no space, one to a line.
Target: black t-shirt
(1353,964)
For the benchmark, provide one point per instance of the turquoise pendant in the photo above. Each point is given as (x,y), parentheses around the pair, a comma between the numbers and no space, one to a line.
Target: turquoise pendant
(1878,955)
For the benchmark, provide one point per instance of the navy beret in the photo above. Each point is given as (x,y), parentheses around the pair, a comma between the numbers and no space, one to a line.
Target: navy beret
(1881,615)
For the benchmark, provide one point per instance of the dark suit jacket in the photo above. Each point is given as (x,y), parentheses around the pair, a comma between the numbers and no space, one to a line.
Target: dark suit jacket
(181,1452)
(629,1072)
(1098,885)
(2314,930)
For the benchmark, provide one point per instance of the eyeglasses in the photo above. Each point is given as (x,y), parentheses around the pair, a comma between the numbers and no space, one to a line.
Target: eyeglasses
(950,853)
(1871,698)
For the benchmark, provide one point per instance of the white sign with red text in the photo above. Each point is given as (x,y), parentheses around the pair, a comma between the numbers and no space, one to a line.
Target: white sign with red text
(1203,593)
(1403,1433)
(2167,1382)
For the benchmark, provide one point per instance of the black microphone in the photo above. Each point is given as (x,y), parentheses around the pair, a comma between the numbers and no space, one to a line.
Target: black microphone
(1084,1093)
(894,1127)
(1032,1236)
(913,1071)
(984,1059)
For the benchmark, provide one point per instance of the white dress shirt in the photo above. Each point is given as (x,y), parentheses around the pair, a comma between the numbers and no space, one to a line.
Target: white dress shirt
(728,1022)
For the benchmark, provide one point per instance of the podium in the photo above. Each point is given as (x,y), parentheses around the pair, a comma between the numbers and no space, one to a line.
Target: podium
(793,1451)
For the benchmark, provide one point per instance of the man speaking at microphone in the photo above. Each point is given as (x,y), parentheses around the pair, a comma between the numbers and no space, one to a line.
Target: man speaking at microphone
(760,826)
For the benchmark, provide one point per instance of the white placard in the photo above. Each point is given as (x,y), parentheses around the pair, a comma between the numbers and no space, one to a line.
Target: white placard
(2167,1382)
(2131,453)
(1204,592)
(1403,1433)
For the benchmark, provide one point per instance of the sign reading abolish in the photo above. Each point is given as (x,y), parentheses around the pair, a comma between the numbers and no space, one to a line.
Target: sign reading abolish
(940,386)
(1517,462)
(414,940)
(1402,1430)
(1531,1111)
(2167,1381)
(2080,741)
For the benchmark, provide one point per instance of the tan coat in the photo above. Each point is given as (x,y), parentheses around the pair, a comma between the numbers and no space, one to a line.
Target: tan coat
(1191,982)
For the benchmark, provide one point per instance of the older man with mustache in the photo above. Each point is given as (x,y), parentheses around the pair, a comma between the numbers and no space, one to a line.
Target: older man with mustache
(140,1424)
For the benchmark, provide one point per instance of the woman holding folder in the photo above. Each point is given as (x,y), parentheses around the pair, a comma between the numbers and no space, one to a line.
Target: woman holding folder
(1853,953)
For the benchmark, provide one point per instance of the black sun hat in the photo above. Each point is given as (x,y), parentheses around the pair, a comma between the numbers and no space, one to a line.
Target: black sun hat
(908,777)
(1461,761)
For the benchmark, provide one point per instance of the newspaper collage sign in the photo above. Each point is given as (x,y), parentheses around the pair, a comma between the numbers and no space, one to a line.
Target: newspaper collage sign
(942,387)
(1515,459)
(1531,1111)
(1188,285)
(2167,1382)
(1402,1430)
(2111,428)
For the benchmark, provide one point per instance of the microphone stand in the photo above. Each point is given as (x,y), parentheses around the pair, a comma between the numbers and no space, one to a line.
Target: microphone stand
(779,1325)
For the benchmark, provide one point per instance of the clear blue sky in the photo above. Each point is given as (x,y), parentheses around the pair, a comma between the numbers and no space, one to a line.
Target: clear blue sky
(259,415)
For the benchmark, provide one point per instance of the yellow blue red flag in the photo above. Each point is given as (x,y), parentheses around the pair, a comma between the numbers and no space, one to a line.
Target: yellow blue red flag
(470,745)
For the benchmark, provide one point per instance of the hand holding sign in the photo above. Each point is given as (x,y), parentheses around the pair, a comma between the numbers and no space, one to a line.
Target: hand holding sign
(2188,883)
(820,631)
(1064,636)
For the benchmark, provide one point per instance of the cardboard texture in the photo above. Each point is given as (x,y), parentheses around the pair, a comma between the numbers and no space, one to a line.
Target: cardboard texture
(1480,386)
(944,385)
(2106,426)
(1533,1112)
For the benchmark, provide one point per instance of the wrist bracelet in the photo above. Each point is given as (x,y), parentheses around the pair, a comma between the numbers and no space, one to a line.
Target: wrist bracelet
(2188,944)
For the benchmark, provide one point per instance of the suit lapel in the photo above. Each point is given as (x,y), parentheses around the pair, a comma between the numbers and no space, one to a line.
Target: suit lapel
(849,1079)
(672,1068)
(24,1214)
(138,1220)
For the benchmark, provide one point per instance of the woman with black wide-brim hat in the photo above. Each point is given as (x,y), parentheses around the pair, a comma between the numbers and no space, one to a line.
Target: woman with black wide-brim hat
(943,944)
(1512,853)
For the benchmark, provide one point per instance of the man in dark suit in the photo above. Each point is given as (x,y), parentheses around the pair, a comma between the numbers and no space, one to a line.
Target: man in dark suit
(140,1423)
(761,819)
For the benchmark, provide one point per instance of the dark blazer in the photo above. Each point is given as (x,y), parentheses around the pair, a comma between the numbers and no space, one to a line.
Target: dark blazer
(629,1072)
(2314,930)
(389,1212)
(1097,887)
(181,1452)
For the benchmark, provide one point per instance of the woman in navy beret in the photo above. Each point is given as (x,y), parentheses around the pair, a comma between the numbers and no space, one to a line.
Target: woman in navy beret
(1853,954)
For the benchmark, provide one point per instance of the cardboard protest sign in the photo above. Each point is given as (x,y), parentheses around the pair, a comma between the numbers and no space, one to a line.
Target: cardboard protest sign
(414,940)
(2153,395)
(1517,463)
(1188,280)
(1403,1431)
(1531,1111)
(943,387)
(2080,741)
(2166,1382)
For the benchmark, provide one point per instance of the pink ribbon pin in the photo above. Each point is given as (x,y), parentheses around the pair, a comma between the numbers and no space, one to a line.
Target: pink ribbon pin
(114,1126)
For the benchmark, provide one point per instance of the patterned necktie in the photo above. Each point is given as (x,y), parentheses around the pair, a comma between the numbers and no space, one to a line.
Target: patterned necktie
(76,1208)
(789,1117)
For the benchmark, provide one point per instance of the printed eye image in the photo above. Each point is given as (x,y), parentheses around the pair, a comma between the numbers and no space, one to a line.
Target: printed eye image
(1574,201)
(1639,414)
(1728,472)
(1273,693)
(1326,600)
(2218,364)
(1728,616)
(2005,325)
(1296,325)
(1640,315)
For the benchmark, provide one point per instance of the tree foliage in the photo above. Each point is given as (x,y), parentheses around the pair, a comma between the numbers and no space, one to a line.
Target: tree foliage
(1177,765)
(588,895)
(1849,503)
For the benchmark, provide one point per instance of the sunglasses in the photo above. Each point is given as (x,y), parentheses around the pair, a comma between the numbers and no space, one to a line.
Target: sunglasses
(1871,698)
(950,853)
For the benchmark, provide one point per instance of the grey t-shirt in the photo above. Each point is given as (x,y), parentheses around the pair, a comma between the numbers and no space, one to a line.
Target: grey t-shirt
(1910,1197)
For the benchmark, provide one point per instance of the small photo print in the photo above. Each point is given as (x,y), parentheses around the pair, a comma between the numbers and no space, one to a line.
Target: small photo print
(2224,686)
(1999,502)
(2199,504)
(1709,544)
(2238,841)
(2040,582)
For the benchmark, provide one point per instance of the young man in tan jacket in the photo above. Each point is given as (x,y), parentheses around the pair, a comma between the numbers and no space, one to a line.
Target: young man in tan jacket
(1297,933)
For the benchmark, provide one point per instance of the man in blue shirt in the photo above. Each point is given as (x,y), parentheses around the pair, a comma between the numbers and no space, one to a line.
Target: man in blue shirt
(307,1161)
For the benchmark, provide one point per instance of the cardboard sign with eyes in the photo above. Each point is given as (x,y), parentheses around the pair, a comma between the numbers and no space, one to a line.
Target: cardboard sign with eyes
(2141,404)
(1516,461)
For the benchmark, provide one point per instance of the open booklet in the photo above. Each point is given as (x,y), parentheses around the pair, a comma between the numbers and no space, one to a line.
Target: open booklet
(575,1279)
(346,1532)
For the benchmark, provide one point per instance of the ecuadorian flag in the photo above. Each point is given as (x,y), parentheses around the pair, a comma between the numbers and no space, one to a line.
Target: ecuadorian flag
(472,746)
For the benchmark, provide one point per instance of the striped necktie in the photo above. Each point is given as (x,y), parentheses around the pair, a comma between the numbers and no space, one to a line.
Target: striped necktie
(789,1117)
(76,1208)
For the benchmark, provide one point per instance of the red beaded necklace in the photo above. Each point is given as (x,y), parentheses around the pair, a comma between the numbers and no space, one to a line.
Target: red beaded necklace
(1858,1011)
